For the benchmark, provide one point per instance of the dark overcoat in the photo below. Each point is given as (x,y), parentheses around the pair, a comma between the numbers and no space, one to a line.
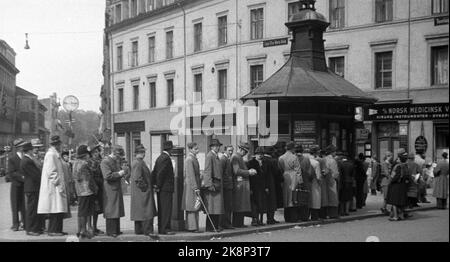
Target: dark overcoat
(32,174)
(112,185)
(163,173)
(142,205)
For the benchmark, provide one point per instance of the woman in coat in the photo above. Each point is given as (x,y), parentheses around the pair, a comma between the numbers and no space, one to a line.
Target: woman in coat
(398,188)
(142,207)
(241,191)
(53,198)
(386,169)
(191,189)
(316,191)
(440,191)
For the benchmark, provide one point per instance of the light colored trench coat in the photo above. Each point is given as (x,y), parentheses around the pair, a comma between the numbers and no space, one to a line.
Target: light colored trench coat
(53,191)
(213,176)
(329,185)
(142,207)
(191,183)
(292,175)
(316,191)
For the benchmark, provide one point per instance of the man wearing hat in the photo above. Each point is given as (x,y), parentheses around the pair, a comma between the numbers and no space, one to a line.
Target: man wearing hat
(94,164)
(307,174)
(164,176)
(225,160)
(413,189)
(212,182)
(37,147)
(86,189)
(331,177)
(32,174)
(275,178)
(316,190)
(15,175)
(142,207)
(241,191)
(191,188)
(113,205)
(53,198)
(292,175)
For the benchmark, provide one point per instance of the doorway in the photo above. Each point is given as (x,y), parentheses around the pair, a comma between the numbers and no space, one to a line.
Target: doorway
(385,144)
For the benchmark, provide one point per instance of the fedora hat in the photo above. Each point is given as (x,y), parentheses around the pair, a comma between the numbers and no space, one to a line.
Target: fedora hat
(139,149)
(259,151)
(314,149)
(215,142)
(27,146)
(244,146)
(55,140)
(19,142)
(36,142)
(330,149)
(168,145)
(402,153)
(82,151)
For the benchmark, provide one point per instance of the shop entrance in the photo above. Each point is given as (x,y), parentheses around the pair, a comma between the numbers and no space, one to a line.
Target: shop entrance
(388,144)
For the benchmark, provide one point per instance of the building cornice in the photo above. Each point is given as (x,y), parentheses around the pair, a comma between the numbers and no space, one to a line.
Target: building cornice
(5,62)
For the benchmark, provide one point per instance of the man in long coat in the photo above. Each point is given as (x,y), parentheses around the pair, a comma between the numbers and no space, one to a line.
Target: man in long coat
(413,188)
(316,191)
(290,166)
(113,173)
(142,207)
(227,177)
(212,182)
(164,176)
(32,174)
(258,198)
(241,191)
(307,177)
(191,189)
(331,178)
(347,171)
(94,163)
(53,197)
(17,195)
(271,171)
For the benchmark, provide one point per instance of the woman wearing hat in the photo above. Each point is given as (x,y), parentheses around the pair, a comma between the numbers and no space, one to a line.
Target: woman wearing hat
(86,190)
(440,191)
(398,188)
(142,207)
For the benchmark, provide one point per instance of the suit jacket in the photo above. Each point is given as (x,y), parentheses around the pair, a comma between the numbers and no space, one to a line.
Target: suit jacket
(32,174)
(163,173)
(227,174)
(14,172)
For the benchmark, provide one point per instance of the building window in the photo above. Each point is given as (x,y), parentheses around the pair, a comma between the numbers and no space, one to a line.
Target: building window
(126,10)
(440,6)
(136,97)
(141,6)
(151,49)
(336,65)
(119,58)
(223,30)
(133,8)
(197,37)
(384,10)
(256,76)
(257,23)
(439,65)
(152,94)
(293,8)
(383,68)
(337,13)
(134,54)
(169,44)
(170,92)
(198,87)
(223,84)
(120,99)
(118,14)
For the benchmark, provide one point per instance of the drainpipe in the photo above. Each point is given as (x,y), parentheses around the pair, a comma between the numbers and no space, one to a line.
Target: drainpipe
(111,85)
(409,48)
(185,71)
(237,64)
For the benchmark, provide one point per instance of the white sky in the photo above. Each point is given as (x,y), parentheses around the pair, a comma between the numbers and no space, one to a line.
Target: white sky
(66,41)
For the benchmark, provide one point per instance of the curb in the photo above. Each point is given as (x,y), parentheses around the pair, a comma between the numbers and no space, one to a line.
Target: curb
(211,236)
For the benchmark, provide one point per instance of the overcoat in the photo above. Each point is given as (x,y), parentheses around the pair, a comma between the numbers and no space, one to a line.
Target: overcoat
(192,182)
(212,177)
(53,190)
(241,190)
(265,201)
(347,170)
(96,170)
(228,181)
(272,170)
(14,172)
(142,205)
(32,175)
(330,197)
(307,174)
(441,180)
(290,166)
(413,187)
(278,181)
(316,191)
(398,188)
(112,185)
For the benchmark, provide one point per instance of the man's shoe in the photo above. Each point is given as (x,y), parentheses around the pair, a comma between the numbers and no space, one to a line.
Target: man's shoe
(55,234)
(113,235)
(98,232)
(15,228)
(34,234)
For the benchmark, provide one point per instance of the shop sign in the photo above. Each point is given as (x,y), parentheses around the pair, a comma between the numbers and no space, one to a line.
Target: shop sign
(421,145)
(307,128)
(406,112)
(362,134)
(275,42)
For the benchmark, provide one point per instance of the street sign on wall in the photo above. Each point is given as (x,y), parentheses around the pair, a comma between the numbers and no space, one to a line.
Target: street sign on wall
(406,111)
(275,42)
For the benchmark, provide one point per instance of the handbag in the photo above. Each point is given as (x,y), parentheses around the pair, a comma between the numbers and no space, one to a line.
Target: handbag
(300,196)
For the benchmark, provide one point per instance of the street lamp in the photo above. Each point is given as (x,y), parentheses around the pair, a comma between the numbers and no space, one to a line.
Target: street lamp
(27,46)
(70,104)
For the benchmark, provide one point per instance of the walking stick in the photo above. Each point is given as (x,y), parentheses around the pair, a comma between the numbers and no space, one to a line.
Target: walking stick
(206,211)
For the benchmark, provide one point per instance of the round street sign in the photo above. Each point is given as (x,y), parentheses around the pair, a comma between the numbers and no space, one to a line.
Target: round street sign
(70,103)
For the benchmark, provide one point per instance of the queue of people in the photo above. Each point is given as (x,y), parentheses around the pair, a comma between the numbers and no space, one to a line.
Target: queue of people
(308,183)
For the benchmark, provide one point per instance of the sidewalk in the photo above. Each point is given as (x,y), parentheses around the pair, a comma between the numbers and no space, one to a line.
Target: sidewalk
(371,210)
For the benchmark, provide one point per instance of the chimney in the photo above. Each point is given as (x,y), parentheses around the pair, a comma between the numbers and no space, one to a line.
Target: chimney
(307,27)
